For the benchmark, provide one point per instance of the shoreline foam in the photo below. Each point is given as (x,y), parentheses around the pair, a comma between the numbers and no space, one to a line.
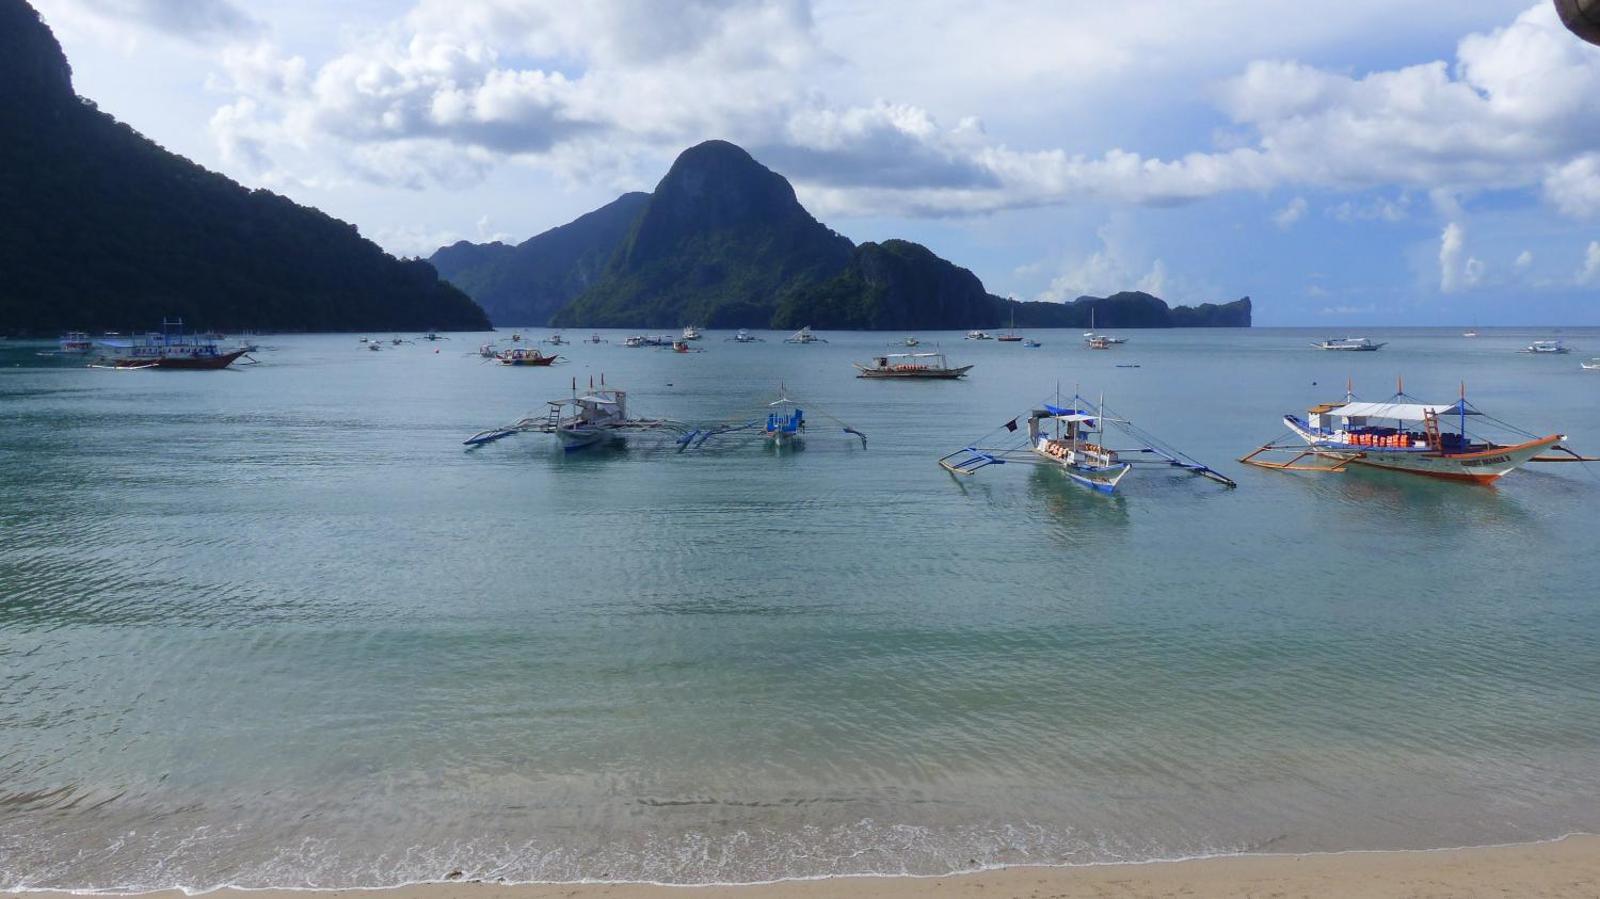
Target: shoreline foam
(1567,866)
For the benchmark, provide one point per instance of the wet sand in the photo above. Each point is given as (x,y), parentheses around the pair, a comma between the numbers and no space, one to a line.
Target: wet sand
(1565,868)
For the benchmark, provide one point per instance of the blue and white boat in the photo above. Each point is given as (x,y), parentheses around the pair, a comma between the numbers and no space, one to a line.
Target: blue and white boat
(1072,439)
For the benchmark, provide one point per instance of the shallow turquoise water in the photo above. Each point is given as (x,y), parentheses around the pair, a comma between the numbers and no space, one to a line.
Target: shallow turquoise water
(275,627)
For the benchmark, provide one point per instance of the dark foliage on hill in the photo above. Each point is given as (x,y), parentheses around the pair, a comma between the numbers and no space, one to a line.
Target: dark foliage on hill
(723,242)
(719,240)
(527,284)
(100,228)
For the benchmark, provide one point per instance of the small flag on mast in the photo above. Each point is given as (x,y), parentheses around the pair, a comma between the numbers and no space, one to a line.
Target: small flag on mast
(1011,425)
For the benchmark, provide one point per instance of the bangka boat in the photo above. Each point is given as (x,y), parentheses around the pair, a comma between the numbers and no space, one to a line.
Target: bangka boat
(593,418)
(1592,364)
(76,342)
(526,356)
(744,336)
(1349,344)
(1071,438)
(1408,435)
(596,338)
(911,365)
(682,345)
(911,341)
(1099,342)
(690,332)
(169,349)
(979,335)
(432,336)
(1470,332)
(375,346)
(1546,348)
(803,335)
(557,340)
(780,424)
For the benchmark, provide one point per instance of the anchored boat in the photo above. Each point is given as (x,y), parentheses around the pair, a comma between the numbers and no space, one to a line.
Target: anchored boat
(690,332)
(1071,438)
(1592,364)
(1546,348)
(597,417)
(979,335)
(1349,345)
(803,335)
(1408,435)
(168,349)
(744,336)
(911,365)
(526,356)
(780,424)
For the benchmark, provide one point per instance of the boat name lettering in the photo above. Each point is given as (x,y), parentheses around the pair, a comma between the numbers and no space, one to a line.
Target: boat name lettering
(1477,463)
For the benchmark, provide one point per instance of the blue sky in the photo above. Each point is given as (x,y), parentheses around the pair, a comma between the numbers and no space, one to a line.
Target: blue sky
(1379,163)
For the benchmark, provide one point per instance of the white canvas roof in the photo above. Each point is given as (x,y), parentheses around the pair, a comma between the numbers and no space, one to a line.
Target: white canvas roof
(1397,411)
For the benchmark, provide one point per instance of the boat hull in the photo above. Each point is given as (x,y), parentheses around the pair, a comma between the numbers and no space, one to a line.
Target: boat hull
(1483,466)
(180,363)
(942,374)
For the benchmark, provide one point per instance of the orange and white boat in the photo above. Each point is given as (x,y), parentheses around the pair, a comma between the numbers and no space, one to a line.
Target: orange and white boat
(1404,434)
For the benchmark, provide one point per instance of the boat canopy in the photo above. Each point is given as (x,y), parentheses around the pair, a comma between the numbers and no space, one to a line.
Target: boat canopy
(1062,414)
(1399,411)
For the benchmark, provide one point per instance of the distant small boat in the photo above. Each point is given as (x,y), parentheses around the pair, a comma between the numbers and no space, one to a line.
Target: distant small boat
(1099,342)
(488,351)
(1127,365)
(1473,332)
(930,366)
(556,339)
(1592,364)
(526,356)
(803,335)
(1546,348)
(375,346)
(1011,335)
(690,332)
(363,340)
(1032,344)
(76,342)
(681,345)
(596,338)
(432,336)
(1349,345)
(979,335)
(911,341)
(744,336)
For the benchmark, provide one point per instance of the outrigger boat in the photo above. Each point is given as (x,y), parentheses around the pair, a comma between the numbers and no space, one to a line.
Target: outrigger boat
(744,336)
(1546,348)
(1349,345)
(521,356)
(168,349)
(682,345)
(598,417)
(1100,341)
(557,340)
(803,335)
(911,365)
(979,335)
(690,332)
(911,341)
(1072,439)
(76,342)
(1405,434)
(432,336)
(781,424)
(1592,364)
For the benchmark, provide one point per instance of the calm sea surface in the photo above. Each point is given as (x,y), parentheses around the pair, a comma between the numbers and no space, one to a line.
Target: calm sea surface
(275,627)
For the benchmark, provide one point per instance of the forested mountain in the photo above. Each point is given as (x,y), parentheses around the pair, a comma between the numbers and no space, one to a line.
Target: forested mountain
(100,228)
(527,284)
(724,243)
(720,239)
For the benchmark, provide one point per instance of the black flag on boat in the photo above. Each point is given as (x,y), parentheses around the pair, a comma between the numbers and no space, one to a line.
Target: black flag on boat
(1011,425)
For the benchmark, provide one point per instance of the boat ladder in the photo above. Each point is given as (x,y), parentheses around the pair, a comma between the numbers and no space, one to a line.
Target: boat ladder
(968,460)
(1430,425)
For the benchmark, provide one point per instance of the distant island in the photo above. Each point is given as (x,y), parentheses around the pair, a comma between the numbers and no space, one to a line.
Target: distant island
(101,228)
(723,242)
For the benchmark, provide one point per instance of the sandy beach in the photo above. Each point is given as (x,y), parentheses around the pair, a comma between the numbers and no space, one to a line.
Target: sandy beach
(1565,868)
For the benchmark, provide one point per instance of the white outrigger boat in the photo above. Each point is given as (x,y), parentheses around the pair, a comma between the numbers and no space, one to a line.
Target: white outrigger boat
(690,332)
(932,366)
(1349,345)
(744,336)
(1072,439)
(1547,348)
(803,335)
(1404,434)
(1592,364)
(598,417)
